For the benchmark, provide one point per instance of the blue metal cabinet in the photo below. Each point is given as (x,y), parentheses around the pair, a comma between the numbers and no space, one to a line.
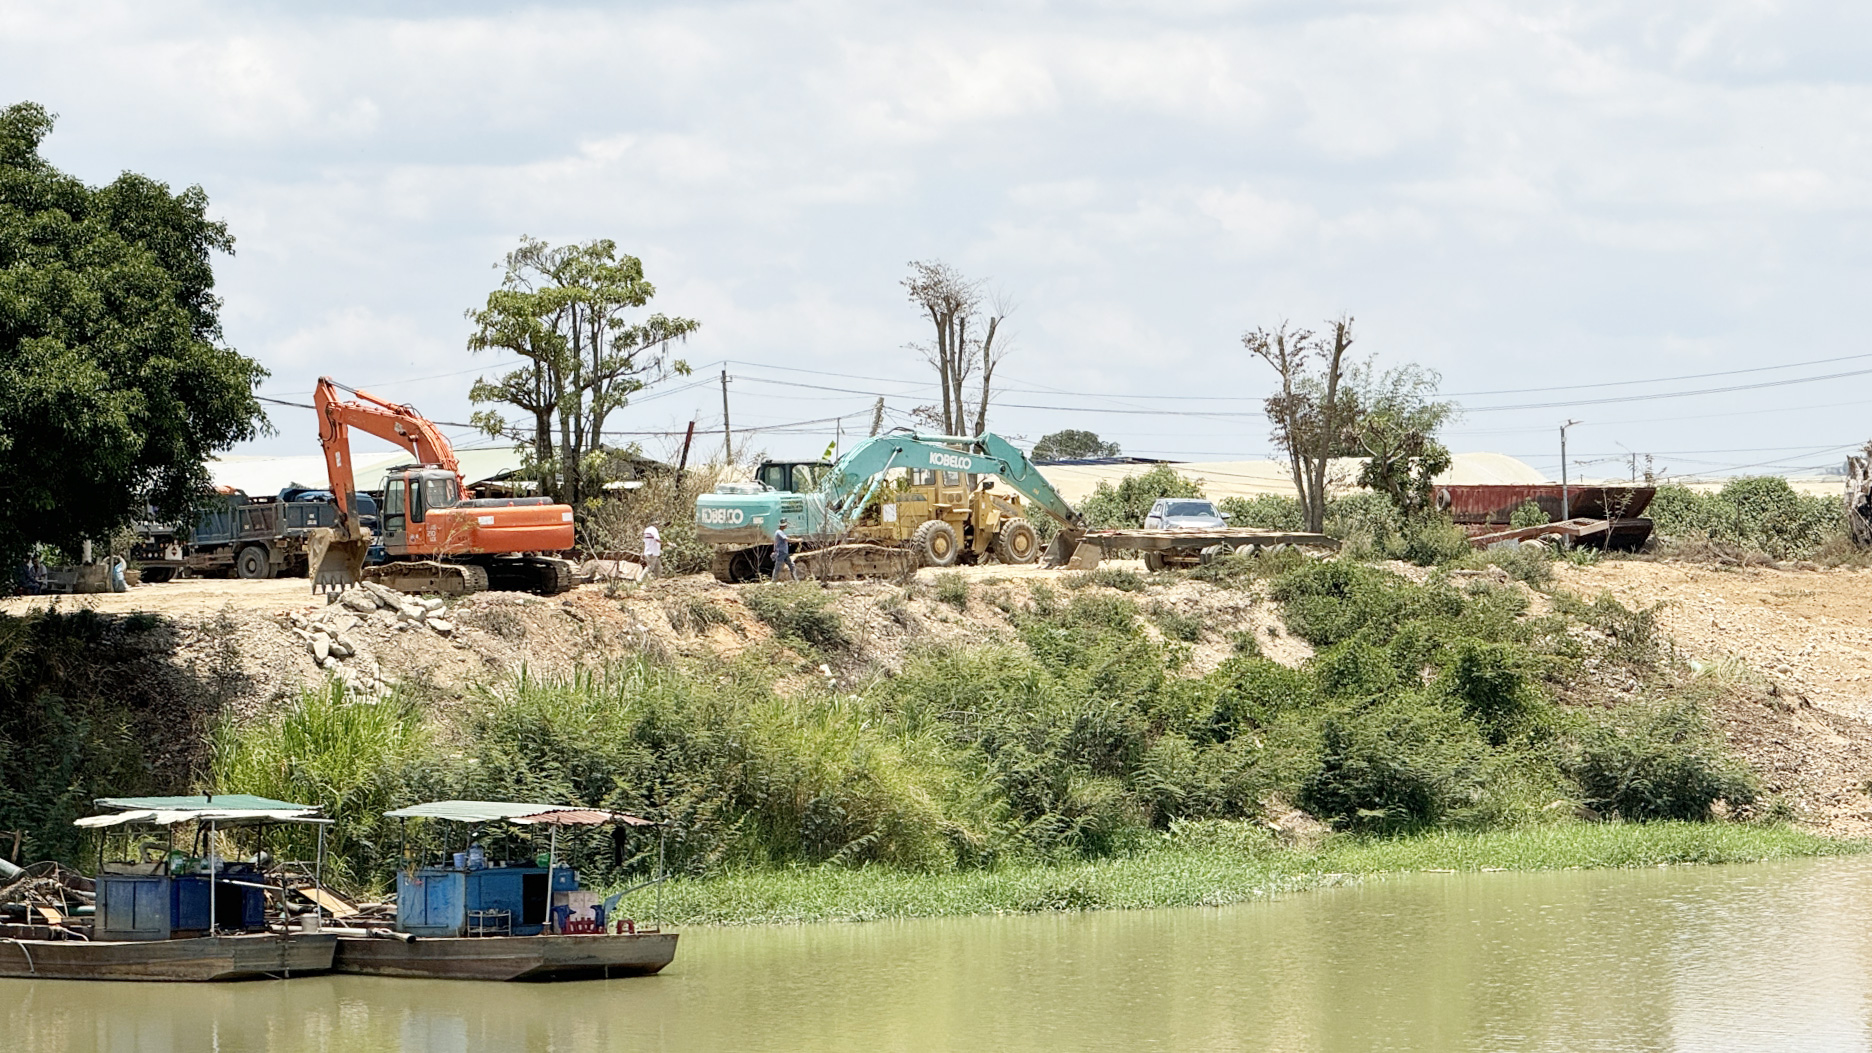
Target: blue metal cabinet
(133,907)
(432,902)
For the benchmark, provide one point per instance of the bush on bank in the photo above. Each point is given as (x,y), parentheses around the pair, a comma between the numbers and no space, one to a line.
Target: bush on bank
(1426,706)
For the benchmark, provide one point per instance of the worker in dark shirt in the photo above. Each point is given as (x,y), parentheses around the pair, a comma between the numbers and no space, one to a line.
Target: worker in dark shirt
(783,553)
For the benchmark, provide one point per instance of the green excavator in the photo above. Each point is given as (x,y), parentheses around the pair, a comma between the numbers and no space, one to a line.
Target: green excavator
(960,499)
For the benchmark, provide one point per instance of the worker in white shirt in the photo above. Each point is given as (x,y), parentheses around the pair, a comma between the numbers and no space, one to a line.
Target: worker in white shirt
(653,550)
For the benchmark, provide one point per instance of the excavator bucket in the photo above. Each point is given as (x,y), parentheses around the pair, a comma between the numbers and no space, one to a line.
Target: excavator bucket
(333,563)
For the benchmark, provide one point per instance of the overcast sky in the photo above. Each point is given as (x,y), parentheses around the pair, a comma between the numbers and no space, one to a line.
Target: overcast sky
(1521,196)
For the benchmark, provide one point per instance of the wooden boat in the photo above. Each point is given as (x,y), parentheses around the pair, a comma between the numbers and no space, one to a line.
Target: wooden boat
(504,921)
(545,957)
(176,918)
(247,956)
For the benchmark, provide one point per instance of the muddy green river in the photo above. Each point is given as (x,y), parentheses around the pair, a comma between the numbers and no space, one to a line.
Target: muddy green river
(1771,957)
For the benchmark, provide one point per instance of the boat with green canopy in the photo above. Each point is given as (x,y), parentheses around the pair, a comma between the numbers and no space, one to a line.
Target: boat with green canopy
(513,913)
(171,911)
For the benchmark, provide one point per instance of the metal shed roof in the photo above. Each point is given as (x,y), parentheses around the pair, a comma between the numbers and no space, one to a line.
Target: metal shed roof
(218,802)
(512,812)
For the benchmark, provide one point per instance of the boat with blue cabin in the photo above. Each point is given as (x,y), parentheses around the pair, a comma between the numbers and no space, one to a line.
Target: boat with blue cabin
(467,916)
(187,915)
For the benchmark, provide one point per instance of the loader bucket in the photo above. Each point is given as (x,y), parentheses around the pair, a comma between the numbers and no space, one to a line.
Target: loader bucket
(1064,545)
(334,563)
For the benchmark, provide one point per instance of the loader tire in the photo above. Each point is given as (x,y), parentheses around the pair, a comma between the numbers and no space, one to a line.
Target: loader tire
(935,543)
(252,563)
(1017,543)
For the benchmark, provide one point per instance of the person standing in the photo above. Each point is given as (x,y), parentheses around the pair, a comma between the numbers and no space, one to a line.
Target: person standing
(783,552)
(653,550)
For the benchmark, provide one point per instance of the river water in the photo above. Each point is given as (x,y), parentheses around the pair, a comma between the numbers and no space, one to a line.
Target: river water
(1766,957)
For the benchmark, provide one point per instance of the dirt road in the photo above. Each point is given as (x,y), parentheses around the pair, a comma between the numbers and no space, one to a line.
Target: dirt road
(187,598)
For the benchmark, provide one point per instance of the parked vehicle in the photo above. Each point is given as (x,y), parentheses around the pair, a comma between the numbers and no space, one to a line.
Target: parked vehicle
(240,535)
(1184,513)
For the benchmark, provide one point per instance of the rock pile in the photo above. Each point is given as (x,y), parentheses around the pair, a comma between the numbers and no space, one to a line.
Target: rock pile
(328,633)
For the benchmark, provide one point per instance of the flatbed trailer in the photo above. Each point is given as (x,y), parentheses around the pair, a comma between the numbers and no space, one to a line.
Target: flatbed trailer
(1167,548)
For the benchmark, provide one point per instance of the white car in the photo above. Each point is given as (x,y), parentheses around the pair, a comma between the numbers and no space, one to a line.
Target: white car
(1184,513)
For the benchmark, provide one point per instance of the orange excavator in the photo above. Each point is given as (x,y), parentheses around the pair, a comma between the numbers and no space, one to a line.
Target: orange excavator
(435,540)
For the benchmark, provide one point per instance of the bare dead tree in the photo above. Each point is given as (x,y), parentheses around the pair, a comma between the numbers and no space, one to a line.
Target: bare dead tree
(1311,421)
(969,342)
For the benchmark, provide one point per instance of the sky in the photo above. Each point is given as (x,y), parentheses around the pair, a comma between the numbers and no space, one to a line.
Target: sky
(1545,203)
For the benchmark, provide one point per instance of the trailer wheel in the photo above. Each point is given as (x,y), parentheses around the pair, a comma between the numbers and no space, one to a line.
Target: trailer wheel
(1018,542)
(253,563)
(1153,562)
(935,542)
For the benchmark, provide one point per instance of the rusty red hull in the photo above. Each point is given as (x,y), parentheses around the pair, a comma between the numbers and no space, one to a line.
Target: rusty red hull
(1493,504)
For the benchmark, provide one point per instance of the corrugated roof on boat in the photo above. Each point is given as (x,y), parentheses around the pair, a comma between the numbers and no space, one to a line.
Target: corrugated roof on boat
(512,812)
(583,817)
(223,816)
(219,801)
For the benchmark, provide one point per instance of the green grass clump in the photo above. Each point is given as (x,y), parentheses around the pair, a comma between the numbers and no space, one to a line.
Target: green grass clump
(1176,625)
(1110,577)
(799,612)
(953,589)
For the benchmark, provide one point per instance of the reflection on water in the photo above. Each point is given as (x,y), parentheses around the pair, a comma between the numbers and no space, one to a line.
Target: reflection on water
(1721,958)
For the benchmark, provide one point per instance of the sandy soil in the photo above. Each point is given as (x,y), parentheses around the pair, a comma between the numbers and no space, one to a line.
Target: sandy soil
(1810,630)
(1797,646)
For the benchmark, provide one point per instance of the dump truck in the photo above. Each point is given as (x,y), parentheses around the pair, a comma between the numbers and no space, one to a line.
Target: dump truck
(235,534)
(434,539)
(959,499)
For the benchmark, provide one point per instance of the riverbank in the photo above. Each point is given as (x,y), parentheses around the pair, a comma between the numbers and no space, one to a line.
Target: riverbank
(1215,864)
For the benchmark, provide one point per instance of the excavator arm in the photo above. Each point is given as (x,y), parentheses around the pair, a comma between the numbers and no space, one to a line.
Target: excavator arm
(387,420)
(336,556)
(850,482)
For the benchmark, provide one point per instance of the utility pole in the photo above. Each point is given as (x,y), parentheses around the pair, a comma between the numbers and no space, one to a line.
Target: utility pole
(683,461)
(727,436)
(1566,498)
(877,418)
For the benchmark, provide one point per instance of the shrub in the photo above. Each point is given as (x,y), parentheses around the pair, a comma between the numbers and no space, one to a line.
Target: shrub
(1432,540)
(1490,684)
(1760,514)
(1529,514)
(1530,563)
(1657,761)
(953,589)
(1266,511)
(1400,763)
(800,612)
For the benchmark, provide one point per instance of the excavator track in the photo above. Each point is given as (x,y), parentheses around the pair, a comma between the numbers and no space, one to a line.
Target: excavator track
(430,576)
(539,575)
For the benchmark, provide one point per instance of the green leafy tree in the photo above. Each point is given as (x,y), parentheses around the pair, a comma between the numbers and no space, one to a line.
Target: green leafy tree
(1072,444)
(567,311)
(115,384)
(1397,420)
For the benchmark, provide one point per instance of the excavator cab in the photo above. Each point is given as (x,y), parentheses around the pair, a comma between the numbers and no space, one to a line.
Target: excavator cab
(797,477)
(409,497)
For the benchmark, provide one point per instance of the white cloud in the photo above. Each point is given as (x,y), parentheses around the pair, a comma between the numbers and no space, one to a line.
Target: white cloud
(1517,196)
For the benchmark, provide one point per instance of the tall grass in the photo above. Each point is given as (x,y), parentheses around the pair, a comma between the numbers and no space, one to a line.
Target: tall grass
(353,756)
